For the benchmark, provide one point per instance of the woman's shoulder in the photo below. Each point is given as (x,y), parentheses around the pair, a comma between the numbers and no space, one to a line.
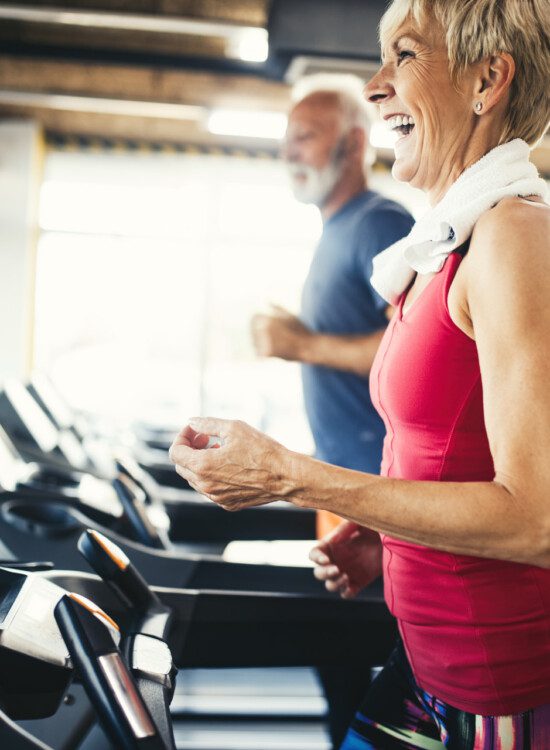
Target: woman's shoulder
(512,226)
(508,264)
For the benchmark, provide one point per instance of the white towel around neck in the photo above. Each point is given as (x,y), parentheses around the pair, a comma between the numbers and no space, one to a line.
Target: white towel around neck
(504,171)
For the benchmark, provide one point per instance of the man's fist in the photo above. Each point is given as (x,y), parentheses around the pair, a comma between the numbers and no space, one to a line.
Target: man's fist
(280,334)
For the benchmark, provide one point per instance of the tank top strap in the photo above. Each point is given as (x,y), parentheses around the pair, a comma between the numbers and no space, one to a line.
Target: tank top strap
(443,279)
(463,249)
(448,274)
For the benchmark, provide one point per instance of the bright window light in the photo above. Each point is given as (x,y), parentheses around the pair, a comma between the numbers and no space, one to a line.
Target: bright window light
(381,136)
(250,45)
(270,125)
(149,270)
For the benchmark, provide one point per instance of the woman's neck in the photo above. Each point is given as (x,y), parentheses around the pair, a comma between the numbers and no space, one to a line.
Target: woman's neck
(457,163)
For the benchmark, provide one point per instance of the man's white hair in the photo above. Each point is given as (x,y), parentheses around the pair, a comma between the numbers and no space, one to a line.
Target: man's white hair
(348,90)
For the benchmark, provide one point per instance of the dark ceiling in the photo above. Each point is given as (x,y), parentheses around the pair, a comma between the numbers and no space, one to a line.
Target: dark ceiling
(73,64)
(89,64)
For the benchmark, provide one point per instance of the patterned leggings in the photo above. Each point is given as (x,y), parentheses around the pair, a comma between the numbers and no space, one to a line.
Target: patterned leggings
(397,715)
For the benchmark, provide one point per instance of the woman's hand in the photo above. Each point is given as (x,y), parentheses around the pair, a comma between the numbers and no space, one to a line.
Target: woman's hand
(348,559)
(245,468)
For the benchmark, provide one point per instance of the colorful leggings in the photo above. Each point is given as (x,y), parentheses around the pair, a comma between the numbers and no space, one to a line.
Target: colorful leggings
(397,715)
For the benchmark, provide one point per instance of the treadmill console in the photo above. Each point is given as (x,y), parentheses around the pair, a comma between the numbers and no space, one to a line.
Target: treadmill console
(53,404)
(23,418)
(13,469)
(35,667)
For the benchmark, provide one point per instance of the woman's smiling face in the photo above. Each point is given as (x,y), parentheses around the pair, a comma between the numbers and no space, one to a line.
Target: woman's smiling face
(434,119)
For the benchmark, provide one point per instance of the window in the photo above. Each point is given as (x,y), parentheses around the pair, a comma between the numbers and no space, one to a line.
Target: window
(150,266)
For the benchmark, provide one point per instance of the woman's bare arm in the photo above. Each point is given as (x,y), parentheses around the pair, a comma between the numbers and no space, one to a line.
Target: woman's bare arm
(508,296)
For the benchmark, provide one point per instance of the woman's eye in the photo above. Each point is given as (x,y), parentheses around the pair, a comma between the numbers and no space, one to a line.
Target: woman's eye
(403,54)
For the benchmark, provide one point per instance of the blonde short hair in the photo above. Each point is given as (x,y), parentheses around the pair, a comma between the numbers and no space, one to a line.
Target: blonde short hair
(477,29)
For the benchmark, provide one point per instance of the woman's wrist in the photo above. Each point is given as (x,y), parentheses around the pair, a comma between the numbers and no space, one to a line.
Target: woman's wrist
(291,477)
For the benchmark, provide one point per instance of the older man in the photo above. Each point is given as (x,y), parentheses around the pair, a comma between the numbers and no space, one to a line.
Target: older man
(342,319)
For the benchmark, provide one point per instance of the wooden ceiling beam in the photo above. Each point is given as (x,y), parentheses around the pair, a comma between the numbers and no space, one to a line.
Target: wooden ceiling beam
(147,84)
(147,130)
(92,40)
(246,12)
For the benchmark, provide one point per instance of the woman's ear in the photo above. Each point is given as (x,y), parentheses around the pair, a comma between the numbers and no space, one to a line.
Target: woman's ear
(493,82)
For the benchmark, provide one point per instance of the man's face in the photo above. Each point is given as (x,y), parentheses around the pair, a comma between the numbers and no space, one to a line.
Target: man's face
(313,148)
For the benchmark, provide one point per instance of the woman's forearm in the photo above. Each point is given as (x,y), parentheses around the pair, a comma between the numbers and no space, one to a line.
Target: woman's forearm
(484,519)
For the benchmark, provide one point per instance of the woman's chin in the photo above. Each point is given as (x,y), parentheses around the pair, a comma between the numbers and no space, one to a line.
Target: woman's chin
(403,170)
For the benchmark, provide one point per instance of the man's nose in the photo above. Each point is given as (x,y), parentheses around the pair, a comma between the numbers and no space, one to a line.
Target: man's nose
(288,150)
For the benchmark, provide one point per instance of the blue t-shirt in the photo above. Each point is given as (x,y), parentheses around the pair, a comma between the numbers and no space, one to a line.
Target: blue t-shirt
(338,299)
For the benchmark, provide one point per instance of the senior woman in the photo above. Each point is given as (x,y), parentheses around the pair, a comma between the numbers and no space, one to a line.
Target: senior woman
(459,523)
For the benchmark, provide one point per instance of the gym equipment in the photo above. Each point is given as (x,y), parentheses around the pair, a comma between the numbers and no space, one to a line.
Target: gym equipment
(201,628)
(189,517)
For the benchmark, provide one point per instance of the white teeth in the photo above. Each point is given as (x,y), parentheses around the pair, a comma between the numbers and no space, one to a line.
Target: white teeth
(398,121)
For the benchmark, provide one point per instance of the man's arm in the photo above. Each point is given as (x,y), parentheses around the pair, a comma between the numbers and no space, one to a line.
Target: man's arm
(283,335)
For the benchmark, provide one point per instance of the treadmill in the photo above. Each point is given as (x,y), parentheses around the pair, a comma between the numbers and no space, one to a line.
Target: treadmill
(201,629)
(191,519)
(45,523)
(150,448)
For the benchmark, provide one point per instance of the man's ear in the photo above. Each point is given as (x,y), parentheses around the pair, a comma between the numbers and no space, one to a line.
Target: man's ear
(495,76)
(357,139)
(351,144)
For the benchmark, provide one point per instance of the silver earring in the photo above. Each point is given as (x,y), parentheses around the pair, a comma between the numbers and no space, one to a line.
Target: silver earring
(478,107)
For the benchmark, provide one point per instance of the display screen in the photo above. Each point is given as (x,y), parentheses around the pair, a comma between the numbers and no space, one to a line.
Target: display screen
(10,463)
(53,402)
(72,450)
(36,422)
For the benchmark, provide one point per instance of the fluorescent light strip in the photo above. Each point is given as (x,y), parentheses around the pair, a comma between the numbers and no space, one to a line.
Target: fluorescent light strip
(247,124)
(128,21)
(163,110)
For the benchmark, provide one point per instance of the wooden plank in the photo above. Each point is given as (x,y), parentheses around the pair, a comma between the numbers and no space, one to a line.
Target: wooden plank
(148,130)
(248,12)
(90,39)
(147,84)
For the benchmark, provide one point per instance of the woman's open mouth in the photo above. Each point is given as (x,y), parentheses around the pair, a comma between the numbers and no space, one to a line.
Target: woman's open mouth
(401,125)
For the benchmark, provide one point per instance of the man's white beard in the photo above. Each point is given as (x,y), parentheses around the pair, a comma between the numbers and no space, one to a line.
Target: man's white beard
(318,183)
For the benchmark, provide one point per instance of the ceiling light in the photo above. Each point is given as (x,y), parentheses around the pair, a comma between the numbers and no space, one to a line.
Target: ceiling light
(270,125)
(250,45)
(253,38)
(381,136)
(97,105)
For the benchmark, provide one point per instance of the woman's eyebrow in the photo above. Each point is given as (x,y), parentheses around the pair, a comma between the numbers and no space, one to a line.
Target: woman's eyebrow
(394,46)
(411,36)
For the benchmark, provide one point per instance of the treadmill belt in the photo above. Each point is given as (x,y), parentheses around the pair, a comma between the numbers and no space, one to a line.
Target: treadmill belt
(251,736)
(276,692)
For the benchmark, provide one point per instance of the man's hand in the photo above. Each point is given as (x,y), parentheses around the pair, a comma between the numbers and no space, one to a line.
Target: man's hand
(348,559)
(283,335)
(280,334)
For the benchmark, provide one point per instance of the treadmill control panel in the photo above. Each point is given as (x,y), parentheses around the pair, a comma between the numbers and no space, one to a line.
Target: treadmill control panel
(9,464)
(27,623)
(99,494)
(37,423)
(57,407)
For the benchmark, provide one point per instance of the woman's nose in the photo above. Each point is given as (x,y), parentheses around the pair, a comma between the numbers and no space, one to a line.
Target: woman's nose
(378,89)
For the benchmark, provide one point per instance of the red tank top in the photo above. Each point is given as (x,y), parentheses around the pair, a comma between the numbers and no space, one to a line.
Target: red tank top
(477,631)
